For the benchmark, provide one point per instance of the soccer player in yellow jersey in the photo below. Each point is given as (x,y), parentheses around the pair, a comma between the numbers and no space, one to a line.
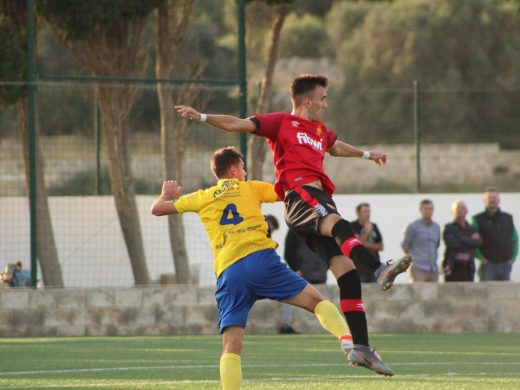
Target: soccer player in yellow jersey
(246,263)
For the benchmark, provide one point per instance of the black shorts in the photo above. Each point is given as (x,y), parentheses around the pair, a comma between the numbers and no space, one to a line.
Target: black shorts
(304,207)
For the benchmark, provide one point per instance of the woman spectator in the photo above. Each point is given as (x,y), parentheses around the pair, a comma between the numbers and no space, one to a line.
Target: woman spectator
(461,241)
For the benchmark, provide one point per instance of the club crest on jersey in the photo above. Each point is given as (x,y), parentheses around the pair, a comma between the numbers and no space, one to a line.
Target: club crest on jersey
(318,130)
(295,124)
(303,138)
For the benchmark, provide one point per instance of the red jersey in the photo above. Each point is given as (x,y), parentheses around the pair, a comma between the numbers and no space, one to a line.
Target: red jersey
(298,147)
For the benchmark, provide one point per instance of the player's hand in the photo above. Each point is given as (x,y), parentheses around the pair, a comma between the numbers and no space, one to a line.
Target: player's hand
(171,190)
(378,157)
(188,112)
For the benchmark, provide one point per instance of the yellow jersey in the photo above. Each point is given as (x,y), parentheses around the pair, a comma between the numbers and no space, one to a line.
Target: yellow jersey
(232,217)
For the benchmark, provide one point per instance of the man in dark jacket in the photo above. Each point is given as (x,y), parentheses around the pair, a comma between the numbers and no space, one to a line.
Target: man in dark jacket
(499,239)
(461,241)
(368,233)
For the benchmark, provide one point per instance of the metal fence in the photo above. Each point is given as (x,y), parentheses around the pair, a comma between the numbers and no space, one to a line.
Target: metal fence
(438,140)
(51,144)
(85,225)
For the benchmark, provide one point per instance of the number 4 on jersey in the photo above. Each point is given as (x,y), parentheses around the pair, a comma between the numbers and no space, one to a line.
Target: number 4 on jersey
(230,215)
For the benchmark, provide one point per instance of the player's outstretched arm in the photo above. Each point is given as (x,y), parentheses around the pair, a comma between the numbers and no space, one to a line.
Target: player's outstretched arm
(342,149)
(224,122)
(163,205)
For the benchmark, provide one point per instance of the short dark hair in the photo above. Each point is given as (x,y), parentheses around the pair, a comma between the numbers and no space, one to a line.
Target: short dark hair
(272,221)
(360,206)
(223,159)
(305,84)
(425,202)
(490,189)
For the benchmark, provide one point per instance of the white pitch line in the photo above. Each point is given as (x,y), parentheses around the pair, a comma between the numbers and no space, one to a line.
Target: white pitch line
(334,378)
(203,366)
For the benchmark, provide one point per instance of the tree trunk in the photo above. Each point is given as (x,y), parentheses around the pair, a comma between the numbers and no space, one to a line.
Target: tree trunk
(172,21)
(118,51)
(257,145)
(172,169)
(115,103)
(46,246)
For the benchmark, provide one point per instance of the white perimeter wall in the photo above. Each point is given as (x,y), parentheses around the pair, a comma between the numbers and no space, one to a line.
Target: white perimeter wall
(92,250)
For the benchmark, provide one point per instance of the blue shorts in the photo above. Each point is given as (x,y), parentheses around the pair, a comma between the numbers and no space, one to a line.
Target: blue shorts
(260,275)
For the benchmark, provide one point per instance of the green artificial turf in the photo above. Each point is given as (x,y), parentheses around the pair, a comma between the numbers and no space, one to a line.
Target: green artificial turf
(421,361)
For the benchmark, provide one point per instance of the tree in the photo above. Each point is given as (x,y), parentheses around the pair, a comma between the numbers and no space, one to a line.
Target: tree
(106,37)
(257,145)
(13,67)
(305,37)
(172,22)
(463,54)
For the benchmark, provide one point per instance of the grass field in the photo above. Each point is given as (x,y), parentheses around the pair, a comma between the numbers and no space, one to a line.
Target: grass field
(432,361)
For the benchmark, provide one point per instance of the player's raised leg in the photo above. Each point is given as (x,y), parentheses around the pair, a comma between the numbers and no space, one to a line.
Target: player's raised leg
(333,225)
(326,312)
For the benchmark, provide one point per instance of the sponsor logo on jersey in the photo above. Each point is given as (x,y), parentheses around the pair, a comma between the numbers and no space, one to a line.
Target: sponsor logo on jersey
(226,186)
(303,138)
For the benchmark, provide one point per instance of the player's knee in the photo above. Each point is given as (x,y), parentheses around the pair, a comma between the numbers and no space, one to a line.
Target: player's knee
(307,299)
(311,303)
(342,230)
(340,265)
(314,297)
(327,224)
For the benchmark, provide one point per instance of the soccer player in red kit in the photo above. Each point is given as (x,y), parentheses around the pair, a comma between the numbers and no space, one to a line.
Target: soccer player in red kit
(299,141)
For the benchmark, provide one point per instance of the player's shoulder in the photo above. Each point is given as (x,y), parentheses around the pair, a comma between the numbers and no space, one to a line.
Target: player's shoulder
(263,189)
(268,125)
(203,192)
(194,197)
(325,129)
(276,114)
(272,116)
(259,185)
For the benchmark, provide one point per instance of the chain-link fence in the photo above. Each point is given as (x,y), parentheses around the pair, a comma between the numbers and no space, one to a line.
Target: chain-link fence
(86,229)
(85,225)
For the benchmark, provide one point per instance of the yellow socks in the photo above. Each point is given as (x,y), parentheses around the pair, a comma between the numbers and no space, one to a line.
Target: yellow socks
(331,319)
(230,371)
(328,315)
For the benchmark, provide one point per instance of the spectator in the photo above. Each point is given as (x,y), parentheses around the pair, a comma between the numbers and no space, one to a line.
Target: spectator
(421,240)
(368,233)
(273,223)
(499,246)
(461,241)
(15,276)
(302,260)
